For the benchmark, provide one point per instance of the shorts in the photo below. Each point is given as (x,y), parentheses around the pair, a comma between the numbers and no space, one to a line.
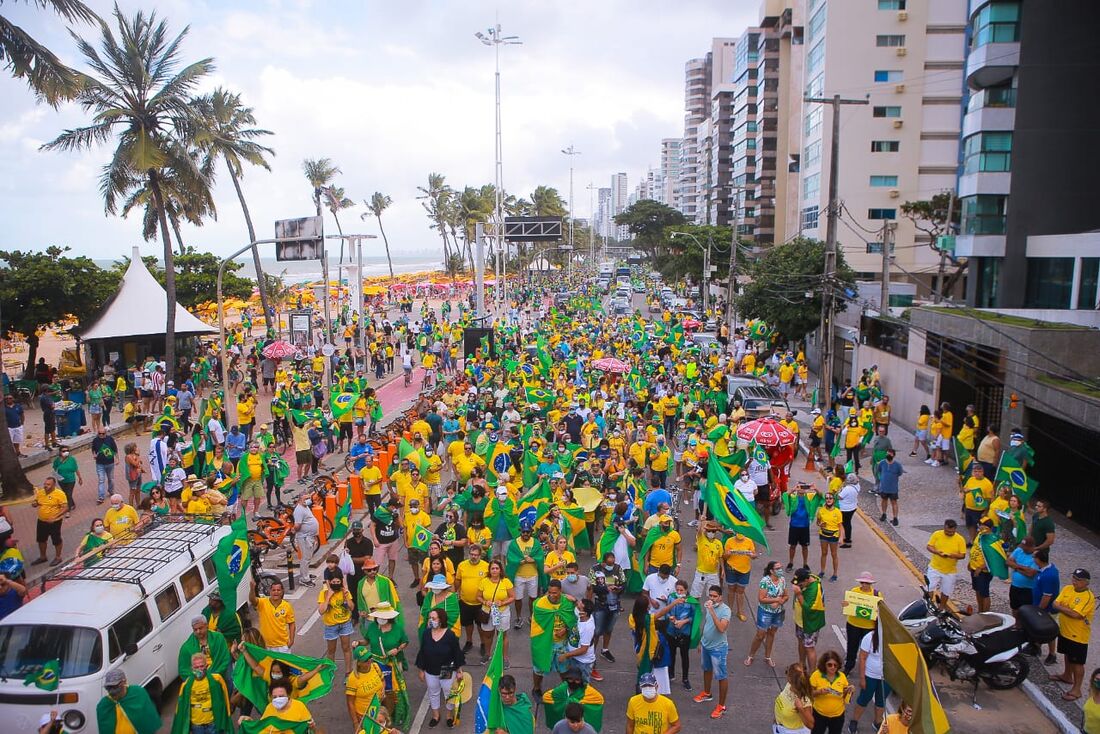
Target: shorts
(269,381)
(604,620)
(526,588)
(945,582)
(303,457)
(147,394)
(766,620)
(973,517)
(714,659)
(943,443)
(798,536)
(921,435)
(174,495)
(763,494)
(1019,597)
(416,557)
(980,582)
(815,441)
(807,640)
(828,538)
(702,583)
(252,489)
(876,689)
(585,669)
(48,531)
(1075,652)
(467,613)
(345,431)
(737,578)
(504,620)
(335,631)
(384,552)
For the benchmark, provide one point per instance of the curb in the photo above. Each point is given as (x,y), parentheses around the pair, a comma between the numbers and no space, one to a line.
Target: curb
(912,568)
(1052,712)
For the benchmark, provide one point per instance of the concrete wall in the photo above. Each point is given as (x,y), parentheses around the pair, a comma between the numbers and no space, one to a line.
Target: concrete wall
(906,383)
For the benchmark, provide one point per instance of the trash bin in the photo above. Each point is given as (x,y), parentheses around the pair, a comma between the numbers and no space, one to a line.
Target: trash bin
(69,417)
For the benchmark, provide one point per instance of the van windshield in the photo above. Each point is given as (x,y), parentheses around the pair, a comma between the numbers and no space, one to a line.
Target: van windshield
(25,647)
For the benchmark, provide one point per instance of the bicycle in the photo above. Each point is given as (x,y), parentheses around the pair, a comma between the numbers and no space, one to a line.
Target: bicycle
(273,531)
(264,579)
(349,460)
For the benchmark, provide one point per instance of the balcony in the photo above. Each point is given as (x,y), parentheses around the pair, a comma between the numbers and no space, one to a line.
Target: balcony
(988,119)
(977,245)
(992,64)
(985,182)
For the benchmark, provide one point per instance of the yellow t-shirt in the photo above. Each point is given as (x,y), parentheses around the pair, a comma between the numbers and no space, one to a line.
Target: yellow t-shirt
(435,467)
(526,569)
(893,724)
(709,554)
(944,544)
(978,493)
(121,520)
(255,464)
(202,708)
(786,372)
(464,465)
(947,420)
(52,505)
(275,621)
(295,711)
(786,714)
(651,717)
(739,563)
(412,521)
(998,505)
(853,437)
(663,549)
(364,687)
(659,458)
(922,421)
(492,593)
(1082,602)
(401,480)
(469,579)
(553,558)
(829,521)
(371,474)
(638,452)
(318,364)
(418,491)
(246,411)
(864,624)
(829,704)
(422,427)
(976,561)
(199,506)
(339,607)
(483,537)
(818,428)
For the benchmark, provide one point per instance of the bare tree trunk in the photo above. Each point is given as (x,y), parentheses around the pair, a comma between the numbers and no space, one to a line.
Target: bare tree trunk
(176,230)
(13,480)
(32,355)
(169,280)
(265,299)
(386,241)
(340,230)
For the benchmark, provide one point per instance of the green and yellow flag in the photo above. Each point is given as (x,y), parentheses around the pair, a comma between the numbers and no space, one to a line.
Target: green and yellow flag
(47,677)
(421,539)
(965,460)
(995,557)
(907,673)
(250,726)
(1011,472)
(232,561)
(255,688)
(342,522)
(545,618)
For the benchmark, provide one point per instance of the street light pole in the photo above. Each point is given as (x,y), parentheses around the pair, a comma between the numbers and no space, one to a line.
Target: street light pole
(592,226)
(731,294)
(570,151)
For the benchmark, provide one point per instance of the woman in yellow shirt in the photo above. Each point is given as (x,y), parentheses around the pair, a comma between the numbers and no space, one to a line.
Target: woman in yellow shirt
(853,441)
(557,559)
(830,691)
(920,436)
(829,520)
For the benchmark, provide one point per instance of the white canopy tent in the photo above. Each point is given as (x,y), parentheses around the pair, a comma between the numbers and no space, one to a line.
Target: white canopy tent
(542,265)
(140,308)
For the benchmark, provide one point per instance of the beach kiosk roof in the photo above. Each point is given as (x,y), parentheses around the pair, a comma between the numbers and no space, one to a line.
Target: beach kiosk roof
(139,308)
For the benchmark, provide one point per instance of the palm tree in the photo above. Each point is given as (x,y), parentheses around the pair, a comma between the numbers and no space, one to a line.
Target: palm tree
(50,80)
(179,202)
(227,132)
(141,97)
(547,202)
(435,199)
(335,201)
(319,172)
(378,203)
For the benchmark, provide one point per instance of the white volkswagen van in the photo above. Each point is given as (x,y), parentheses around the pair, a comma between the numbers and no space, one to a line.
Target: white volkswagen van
(131,610)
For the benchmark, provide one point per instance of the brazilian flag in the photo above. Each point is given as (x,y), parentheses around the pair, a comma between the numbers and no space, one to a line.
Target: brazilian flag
(47,677)
(342,402)
(232,561)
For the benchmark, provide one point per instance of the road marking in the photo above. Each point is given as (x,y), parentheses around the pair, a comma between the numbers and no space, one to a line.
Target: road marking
(310,622)
(421,714)
(840,635)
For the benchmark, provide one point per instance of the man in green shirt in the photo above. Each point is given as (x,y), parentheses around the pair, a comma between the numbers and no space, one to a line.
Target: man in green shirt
(1042,526)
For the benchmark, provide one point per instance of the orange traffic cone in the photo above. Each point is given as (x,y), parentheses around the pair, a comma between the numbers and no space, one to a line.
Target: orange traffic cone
(810,461)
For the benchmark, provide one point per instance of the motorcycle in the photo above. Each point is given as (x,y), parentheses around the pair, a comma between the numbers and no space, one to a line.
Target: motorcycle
(918,614)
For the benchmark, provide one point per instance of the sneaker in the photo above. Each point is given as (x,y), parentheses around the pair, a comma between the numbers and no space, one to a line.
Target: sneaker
(687,684)
(718,711)
(702,697)
(912,453)
(1051,660)
(483,651)
(790,566)
(853,726)
(468,646)
(936,463)
(894,522)
(832,578)
(929,461)
(607,655)
(693,524)
(413,584)
(519,623)
(596,676)
(882,517)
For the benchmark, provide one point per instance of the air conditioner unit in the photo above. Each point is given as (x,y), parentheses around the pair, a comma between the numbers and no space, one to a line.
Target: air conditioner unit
(903,15)
(894,193)
(901,51)
(897,123)
(899,88)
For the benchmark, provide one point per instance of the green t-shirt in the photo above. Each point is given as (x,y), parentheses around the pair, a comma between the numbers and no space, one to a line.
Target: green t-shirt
(65,468)
(1041,527)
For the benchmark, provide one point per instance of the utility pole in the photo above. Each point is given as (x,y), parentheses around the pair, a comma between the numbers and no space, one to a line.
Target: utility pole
(731,307)
(479,267)
(827,303)
(937,293)
(887,245)
(570,151)
(706,275)
(592,226)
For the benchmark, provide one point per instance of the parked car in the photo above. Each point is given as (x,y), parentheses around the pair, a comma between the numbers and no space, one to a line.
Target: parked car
(760,400)
(735,381)
(639,288)
(704,340)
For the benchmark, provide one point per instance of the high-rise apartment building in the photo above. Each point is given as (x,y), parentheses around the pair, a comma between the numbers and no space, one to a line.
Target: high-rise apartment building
(734,198)
(906,58)
(669,176)
(619,201)
(1028,187)
(603,212)
(696,112)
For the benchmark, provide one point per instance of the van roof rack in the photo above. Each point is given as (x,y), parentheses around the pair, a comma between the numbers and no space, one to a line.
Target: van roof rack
(132,557)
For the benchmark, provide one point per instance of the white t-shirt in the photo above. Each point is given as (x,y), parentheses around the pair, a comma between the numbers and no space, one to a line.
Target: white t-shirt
(658,589)
(587,633)
(216,431)
(304,516)
(747,488)
(873,666)
(758,472)
(847,498)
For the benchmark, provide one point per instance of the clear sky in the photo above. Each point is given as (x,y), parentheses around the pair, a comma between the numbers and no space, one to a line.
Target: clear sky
(391,91)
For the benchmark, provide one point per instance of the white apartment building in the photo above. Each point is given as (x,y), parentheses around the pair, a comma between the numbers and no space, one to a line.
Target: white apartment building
(669,173)
(696,111)
(603,212)
(906,58)
(619,201)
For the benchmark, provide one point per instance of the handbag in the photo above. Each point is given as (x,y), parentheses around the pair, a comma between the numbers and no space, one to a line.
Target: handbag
(446,672)
(483,616)
(346,565)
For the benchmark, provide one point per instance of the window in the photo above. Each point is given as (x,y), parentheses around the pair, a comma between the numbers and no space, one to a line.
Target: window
(815,59)
(885,181)
(809,217)
(191,581)
(885,146)
(1090,274)
(813,121)
(1049,282)
(817,22)
(79,649)
(882,213)
(208,570)
(983,214)
(813,153)
(891,4)
(987,152)
(890,40)
(168,602)
(889,111)
(816,86)
(131,629)
(888,75)
(997,22)
(811,186)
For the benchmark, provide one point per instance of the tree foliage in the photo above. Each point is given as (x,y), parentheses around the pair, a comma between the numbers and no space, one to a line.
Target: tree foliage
(930,215)
(50,80)
(39,290)
(197,277)
(647,219)
(780,281)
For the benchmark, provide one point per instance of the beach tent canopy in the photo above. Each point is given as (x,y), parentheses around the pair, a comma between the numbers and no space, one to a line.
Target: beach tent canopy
(542,265)
(139,308)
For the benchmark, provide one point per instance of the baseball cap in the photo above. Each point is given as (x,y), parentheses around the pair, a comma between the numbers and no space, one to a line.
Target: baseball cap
(357,525)
(1082,573)
(114,678)
(647,679)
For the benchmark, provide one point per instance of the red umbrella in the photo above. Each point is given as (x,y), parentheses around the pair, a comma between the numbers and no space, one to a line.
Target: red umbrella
(692,323)
(280,350)
(766,432)
(610,364)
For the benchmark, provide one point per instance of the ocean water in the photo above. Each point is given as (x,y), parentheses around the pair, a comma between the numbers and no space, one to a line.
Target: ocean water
(305,271)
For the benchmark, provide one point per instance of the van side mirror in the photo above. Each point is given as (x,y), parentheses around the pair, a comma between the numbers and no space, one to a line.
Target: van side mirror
(131,649)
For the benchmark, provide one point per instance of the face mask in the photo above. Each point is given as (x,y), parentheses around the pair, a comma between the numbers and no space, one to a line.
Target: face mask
(64,454)
(98,529)
(649,692)
(198,674)
(280,702)
(309,503)
(116,507)
(712,536)
(276,676)
(414,510)
(571,578)
(433,624)
(1096,684)
(1014,443)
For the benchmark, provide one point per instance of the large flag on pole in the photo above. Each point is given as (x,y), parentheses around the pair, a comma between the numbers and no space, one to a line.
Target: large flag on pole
(729,508)
(232,561)
(489,713)
(1016,476)
(907,674)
